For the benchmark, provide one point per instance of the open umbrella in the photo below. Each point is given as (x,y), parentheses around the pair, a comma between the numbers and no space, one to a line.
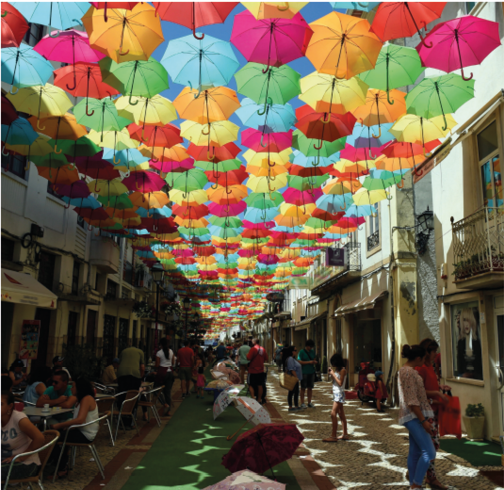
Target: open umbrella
(118,5)
(263,447)
(274,118)
(19,132)
(126,34)
(274,10)
(342,45)
(416,129)
(272,42)
(274,142)
(214,134)
(14,26)
(461,42)
(246,480)
(59,127)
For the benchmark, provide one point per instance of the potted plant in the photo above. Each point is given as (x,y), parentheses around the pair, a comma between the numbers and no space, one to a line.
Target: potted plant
(474,421)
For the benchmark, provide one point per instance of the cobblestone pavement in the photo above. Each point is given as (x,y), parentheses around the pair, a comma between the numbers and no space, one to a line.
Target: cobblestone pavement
(375,456)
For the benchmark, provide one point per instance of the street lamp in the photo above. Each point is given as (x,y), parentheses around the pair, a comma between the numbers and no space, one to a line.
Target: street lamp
(425,225)
(157,272)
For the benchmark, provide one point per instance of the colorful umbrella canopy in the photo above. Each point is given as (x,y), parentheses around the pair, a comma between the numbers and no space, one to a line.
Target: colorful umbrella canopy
(14,26)
(274,10)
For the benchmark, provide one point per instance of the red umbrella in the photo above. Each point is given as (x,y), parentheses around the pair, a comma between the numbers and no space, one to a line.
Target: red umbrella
(98,170)
(324,126)
(9,113)
(194,14)
(14,26)
(162,136)
(83,80)
(394,20)
(232,177)
(309,172)
(263,447)
(226,152)
(190,212)
(144,182)
(93,214)
(465,41)
(115,5)
(275,142)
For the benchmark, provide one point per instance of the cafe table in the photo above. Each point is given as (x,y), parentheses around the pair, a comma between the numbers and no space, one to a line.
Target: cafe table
(39,412)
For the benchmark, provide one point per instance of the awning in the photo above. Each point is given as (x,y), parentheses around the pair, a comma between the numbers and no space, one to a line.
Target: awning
(361,304)
(306,322)
(25,289)
(283,314)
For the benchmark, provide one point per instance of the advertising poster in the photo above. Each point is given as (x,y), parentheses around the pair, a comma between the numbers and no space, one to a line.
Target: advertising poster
(28,347)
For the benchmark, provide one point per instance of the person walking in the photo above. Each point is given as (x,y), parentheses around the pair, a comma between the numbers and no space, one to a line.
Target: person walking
(338,376)
(414,414)
(200,370)
(257,356)
(278,356)
(185,357)
(307,360)
(221,352)
(244,362)
(165,360)
(130,372)
(291,366)
(429,377)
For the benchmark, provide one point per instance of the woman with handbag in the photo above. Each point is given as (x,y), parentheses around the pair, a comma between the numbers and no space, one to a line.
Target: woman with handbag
(293,368)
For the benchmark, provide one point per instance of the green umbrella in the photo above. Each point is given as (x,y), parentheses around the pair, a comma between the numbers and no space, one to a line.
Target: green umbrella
(52,160)
(193,231)
(82,147)
(439,96)
(261,200)
(387,179)
(280,84)
(306,145)
(222,166)
(319,223)
(306,183)
(135,78)
(189,181)
(396,67)
(118,202)
(228,221)
(105,117)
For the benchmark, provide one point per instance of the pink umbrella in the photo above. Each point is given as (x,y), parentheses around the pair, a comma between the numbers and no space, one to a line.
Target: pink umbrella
(267,259)
(227,210)
(165,166)
(247,253)
(300,198)
(275,142)
(465,41)
(355,154)
(273,42)
(187,252)
(76,190)
(144,182)
(267,225)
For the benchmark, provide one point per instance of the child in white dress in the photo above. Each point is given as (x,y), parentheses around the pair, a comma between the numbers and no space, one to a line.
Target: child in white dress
(339,376)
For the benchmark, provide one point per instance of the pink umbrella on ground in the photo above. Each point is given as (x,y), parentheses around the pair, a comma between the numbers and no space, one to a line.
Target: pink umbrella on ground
(144,182)
(275,142)
(457,43)
(272,42)
(246,480)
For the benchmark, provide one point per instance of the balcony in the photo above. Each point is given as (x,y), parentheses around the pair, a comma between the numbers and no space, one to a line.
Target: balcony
(104,254)
(323,277)
(478,250)
(142,279)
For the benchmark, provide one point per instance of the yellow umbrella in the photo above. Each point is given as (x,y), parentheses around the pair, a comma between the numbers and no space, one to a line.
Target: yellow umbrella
(192,198)
(221,132)
(326,93)
(418,130)
(108,188)
(363,196)
(40,147)
(347,166)
(214,104)
(41,100)
(274,10)
(340,186)
(156,111)
(342,45)
(291,221)
(124,35)
(292,210)
(262,159)
(227,195)
(266,184)
(267,171)
(118,140)
(191,222)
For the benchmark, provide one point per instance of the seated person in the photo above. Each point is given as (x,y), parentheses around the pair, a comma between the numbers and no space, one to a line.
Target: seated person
(109,375)
(369,385)
(36,384)
(19,435)
(381,391)
(17,375)
(58,395)
(86,410)
(58,366)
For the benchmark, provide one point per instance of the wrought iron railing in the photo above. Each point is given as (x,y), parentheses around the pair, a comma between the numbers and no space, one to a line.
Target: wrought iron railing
(373,240)
(478,243)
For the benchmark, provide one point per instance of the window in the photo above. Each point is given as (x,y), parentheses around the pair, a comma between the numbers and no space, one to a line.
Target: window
(373,229)
(33,34)
(7,250)
(73,319)
(51,191)
(108,336)
(489,161)
(123,334)
(16,164)
(75,277)
(111,289)
(46,270)
(469,6)
(466,340)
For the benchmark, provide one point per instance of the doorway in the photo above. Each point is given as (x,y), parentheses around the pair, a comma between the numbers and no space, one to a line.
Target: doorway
(44,315)
(367,342)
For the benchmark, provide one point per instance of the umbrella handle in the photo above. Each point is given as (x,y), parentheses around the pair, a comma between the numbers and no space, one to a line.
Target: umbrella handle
(116,162)
(272,178)
(417,173)
(391,102)
(195,35)
(67,206)
(154,228)
(127,174)
(154,159)
(90,228)
(143,134)
(402,184)
(123,54)
(216,186)
(228,192)
(208,155)
(387,196)
(77,21)
(56,151)
(261,142)
(38,126)
(5,153)
(5,13)
(95,189)
(464,77)
(344,207)
(445,123)
(50,35)
(89,114)
(363,5)
(130,101)
(105,18)
(379,133)
(136,185)
(328,119)
(318,148)
(283,9)
(203,130)
(424,26)
(13,93)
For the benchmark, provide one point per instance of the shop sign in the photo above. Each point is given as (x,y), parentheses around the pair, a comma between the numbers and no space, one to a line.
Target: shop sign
(335,257)
(28,347)
(275,297)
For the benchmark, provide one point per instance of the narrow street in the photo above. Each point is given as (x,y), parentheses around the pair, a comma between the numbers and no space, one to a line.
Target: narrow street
(186,452)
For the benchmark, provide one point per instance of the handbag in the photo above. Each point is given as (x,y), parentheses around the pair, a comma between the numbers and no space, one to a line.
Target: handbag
(288,381)
(449,418)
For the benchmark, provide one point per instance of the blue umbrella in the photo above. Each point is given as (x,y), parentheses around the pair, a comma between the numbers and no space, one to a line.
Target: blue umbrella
(362,6)
(24,67)
(60,15)
(256,215)
(298,158)
(130,157)
(82,202)
(19,132)
(276,118)
(359,211)
(287,229)
(333,203)
(155,213)
(202,63)
(362,136)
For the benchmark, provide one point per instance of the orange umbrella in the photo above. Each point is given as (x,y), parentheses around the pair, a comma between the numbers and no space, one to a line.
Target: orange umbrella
(65,175)
(127,34)
(291,221)
(176,153)
(59,127)
(214,104)
(227,195)
(150,200)
(342,45)
(340,186)
(121,213)
(377,110)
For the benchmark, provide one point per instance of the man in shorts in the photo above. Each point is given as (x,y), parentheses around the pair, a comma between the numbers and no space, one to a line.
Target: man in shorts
(257,356)
(185,356)
(307,360)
